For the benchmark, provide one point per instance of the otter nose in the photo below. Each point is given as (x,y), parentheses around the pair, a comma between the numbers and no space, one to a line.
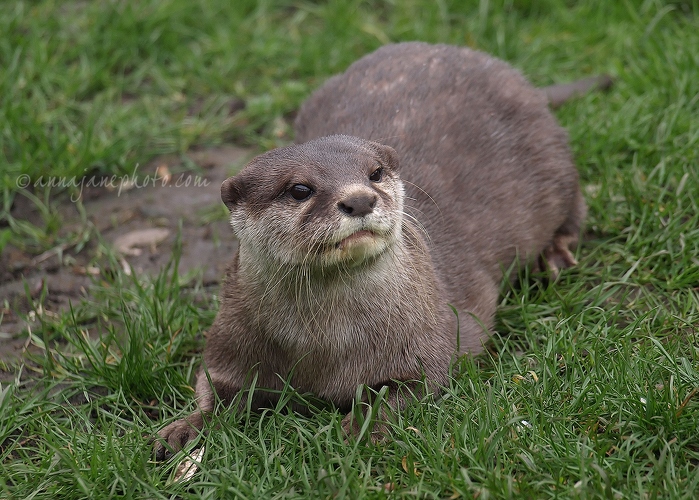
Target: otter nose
(358,204)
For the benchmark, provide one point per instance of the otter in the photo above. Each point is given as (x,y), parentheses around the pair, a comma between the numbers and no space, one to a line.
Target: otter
(372,250)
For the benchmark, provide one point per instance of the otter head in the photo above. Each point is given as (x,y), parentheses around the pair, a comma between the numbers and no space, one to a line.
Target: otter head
(332,202)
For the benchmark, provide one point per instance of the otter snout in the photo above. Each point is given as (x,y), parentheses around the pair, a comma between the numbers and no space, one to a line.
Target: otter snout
(358,204)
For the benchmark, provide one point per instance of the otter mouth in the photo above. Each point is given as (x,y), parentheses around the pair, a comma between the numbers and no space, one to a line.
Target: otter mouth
(355,237)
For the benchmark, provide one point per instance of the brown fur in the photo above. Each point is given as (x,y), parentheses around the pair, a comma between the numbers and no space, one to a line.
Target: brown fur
(488,181)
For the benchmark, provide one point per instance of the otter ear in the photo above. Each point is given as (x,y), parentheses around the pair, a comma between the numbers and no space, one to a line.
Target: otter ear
(233,191)
(388,156)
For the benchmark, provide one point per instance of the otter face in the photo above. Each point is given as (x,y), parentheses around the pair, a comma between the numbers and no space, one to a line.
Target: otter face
(332,202)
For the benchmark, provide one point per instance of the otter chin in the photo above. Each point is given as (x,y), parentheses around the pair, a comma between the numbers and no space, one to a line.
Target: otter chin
(360,246)
(358,238)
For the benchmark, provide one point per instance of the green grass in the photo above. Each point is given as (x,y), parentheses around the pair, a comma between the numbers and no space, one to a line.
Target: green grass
(588,389)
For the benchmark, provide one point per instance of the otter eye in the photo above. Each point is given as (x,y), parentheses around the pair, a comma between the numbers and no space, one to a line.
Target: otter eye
(299,192)
(376,175)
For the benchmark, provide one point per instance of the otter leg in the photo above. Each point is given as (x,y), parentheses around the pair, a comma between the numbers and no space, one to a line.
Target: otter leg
(175,436)
(557,254)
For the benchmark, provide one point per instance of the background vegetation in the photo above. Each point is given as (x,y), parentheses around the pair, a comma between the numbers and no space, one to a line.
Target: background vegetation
(589,388)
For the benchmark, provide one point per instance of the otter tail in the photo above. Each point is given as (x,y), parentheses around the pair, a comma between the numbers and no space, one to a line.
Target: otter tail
(559,94)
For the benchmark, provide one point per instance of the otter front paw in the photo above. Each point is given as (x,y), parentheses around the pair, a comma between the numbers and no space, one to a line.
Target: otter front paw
(350,427)
(175,436)
(377,431)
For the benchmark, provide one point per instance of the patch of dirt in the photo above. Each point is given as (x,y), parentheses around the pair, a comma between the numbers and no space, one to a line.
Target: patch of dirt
(140,219)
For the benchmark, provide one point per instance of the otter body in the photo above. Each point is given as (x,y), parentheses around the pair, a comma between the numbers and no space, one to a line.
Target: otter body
(422,174)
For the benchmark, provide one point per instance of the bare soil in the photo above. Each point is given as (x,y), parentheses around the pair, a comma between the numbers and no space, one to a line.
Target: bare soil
(140,221)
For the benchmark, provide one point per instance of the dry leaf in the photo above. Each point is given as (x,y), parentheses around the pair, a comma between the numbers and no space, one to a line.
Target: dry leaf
(189,466)
(129,243)
(404,462)
(163,173)
(86,270)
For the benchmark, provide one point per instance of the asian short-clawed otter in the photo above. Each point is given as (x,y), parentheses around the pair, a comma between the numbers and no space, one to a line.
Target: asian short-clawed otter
(420,175)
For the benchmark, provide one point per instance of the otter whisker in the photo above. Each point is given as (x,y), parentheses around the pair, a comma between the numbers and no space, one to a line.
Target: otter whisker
(425,192)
